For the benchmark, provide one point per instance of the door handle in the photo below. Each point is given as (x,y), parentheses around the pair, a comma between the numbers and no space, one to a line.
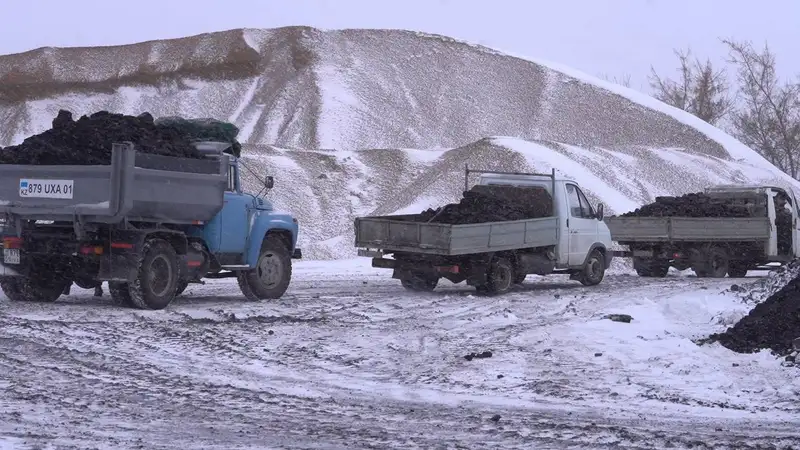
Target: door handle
(573,231)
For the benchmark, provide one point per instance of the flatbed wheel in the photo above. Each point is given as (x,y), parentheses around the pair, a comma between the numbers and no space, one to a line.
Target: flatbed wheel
(594,270)
(420,283)
(499,278)
(737,271)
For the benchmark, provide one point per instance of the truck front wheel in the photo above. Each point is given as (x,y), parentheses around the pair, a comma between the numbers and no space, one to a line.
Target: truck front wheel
(273,272)
(594,270)
(27,290)
(157,282)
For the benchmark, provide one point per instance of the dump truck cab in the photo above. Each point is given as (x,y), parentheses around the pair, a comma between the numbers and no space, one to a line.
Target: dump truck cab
(581,227)
(244,215)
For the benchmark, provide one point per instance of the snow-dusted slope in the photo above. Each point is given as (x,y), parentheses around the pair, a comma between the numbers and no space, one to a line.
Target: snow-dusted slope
(373,94)
(346,89)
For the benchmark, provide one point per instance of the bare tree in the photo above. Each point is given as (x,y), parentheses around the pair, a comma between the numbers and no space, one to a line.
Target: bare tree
(701,89)
(768,120)
(624,80)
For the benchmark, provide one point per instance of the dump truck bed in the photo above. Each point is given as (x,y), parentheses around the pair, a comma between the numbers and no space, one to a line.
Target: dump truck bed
(688,229)
(136,187)
(406,234)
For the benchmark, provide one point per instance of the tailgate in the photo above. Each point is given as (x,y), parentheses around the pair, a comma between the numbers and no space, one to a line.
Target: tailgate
(31,190)
(394,233)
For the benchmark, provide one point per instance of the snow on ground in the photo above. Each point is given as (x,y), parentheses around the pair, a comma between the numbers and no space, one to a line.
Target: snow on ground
(349,359)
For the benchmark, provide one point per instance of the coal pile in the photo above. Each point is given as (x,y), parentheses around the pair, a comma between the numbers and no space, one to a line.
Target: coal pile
(690,205)
(772,324)
(88,140)
(493,204)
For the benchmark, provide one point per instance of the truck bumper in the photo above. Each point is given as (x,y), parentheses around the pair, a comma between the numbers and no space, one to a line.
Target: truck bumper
(297,254)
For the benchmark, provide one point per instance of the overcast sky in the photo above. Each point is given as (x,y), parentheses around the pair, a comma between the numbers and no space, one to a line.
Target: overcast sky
(613,37)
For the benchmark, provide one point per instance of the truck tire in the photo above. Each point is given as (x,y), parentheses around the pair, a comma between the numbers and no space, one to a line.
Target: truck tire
(650,268)
(420,283)
(19,289)
(737,271)
(273,272)
(715,263)
(157,282)
(499,278)
(182,285)
(120,294)
(594,270)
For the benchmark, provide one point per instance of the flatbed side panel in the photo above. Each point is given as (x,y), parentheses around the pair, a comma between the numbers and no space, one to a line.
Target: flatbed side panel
(643,229)
(720,229)
(402,235)
(167,196)
(500,236)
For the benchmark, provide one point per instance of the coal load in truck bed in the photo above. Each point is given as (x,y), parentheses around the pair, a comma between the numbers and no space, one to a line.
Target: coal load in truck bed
(772,324)
(493,204)
(690,205)
(88,140)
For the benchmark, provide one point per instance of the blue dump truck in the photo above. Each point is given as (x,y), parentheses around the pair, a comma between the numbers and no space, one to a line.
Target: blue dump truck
(147,224)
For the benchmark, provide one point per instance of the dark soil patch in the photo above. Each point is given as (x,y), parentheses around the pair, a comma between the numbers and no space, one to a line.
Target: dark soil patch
(88,140)
(493,204)
(690,205)
(772,324)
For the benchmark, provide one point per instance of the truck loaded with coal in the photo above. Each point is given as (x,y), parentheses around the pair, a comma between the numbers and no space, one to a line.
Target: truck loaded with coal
(148,206)
(507,226)
(723,230)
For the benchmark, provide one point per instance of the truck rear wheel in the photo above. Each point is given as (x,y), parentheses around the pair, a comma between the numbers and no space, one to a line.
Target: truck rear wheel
(499,278)
(157,282)
(737,271)
(420,283)
(19,289)
(273,272)
(120,294)
(715,263)
(594,270)
(182,285)
(650,268)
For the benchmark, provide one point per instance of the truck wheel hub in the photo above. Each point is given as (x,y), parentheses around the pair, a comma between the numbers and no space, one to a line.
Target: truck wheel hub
(160,274)
(269,269)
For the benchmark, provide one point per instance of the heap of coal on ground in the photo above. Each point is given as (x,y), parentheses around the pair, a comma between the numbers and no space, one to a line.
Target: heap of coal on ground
(88,140)
(485,203)
(696,204)
(773,324)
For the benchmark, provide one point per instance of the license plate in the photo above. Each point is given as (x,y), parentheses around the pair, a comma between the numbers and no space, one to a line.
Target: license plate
(29,187)
(11,255)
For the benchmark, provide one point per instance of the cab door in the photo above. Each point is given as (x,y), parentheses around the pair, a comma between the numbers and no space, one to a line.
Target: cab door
(581,225)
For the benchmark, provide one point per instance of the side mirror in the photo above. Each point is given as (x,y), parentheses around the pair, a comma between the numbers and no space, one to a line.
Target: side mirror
(269,182)
(600,212)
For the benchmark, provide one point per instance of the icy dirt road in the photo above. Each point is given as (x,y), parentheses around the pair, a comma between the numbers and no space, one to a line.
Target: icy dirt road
(348,359)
